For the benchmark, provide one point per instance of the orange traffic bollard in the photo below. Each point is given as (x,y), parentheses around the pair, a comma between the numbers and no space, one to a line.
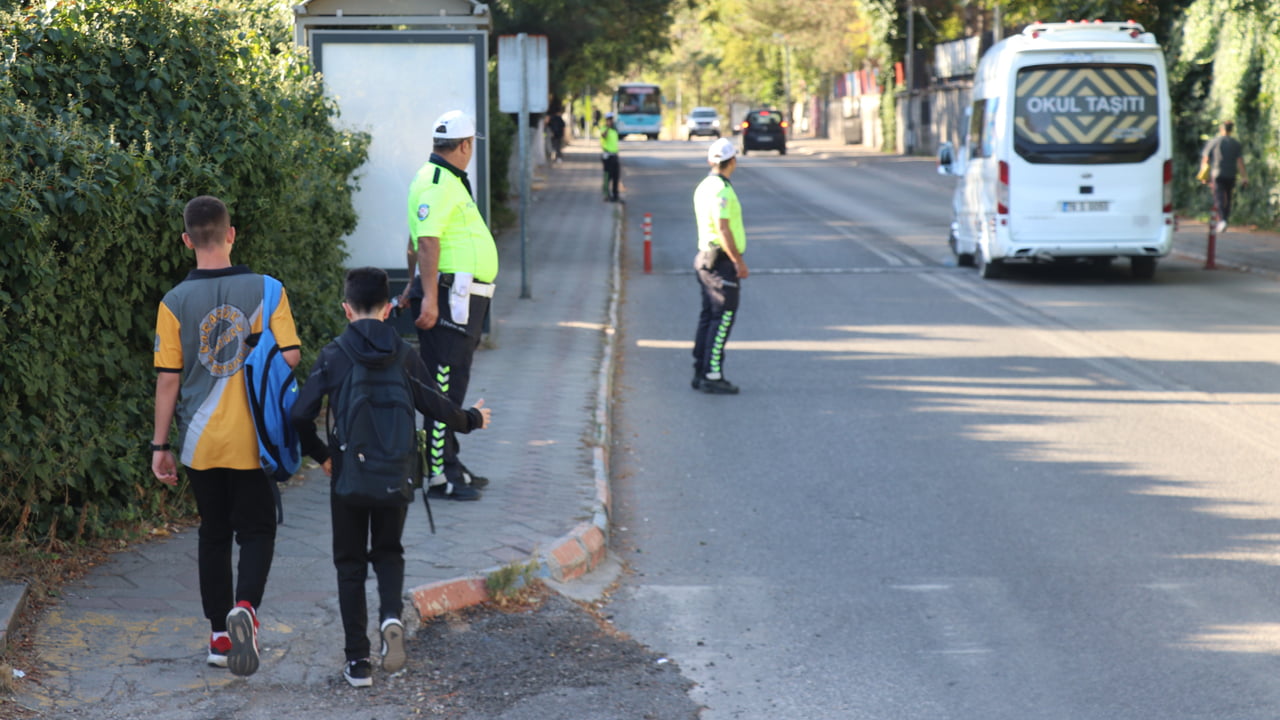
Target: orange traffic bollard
(648,243)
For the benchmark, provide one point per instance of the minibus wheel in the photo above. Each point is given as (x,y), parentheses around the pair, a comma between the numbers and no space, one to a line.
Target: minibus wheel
(962,259)
(1142,267)
(988,268)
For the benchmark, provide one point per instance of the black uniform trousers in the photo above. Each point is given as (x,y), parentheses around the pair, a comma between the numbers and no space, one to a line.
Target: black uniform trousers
(612,175)
(447,349)
(718,278)
(364,536)
(233,505)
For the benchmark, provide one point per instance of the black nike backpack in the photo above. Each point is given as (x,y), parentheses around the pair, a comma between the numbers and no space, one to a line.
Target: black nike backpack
(375,434)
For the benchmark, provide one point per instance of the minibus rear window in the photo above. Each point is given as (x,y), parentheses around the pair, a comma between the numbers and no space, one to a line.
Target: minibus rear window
(1086,114)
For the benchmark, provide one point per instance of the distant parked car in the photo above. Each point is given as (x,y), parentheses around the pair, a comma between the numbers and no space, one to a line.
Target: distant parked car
(702,121)
(764,130)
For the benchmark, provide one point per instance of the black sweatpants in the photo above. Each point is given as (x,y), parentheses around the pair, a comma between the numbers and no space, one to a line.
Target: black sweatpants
(718,278)
(1223,189)
(361,537)
(447,350)
(239,505)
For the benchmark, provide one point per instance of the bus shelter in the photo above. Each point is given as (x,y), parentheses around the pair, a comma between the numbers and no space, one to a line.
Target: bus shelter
(393,67)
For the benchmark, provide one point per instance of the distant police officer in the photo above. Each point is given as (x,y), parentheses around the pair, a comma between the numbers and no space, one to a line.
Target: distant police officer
(720,267)
(457,262)
(609,156)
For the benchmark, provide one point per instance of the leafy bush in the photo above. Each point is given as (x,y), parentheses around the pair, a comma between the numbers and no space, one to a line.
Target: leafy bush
(1225,65)
(112,115)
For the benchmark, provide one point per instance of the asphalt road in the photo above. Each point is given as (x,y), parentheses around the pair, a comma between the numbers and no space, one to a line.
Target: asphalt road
(1050,496)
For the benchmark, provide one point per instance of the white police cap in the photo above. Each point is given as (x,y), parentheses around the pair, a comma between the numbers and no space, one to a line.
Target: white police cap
(454,125)
(721,150)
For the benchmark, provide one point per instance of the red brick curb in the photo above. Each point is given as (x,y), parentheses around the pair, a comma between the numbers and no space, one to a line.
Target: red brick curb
(583,549)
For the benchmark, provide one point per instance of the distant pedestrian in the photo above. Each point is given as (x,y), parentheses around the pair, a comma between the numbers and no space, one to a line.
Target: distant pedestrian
(609,158)
(456,261)
(720,266)
(369,535)
(1223,157)
(555,129)
(200,347)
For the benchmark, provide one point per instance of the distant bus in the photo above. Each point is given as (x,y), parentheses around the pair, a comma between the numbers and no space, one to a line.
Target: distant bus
(637,109)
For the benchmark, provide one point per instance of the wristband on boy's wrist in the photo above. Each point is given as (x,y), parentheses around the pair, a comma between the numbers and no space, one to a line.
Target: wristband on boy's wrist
(159,448)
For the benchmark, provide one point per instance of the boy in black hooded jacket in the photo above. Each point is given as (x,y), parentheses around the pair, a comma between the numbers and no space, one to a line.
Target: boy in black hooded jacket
(363,535)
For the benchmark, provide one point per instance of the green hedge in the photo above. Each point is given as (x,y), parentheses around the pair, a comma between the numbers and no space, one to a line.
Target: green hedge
(1225,65)
(112,115)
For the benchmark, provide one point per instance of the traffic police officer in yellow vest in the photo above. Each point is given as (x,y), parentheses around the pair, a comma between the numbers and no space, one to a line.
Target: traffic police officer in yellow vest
(456,260)
(609,156)
(720,267)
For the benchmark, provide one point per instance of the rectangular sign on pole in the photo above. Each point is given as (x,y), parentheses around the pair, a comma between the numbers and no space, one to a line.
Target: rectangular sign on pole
(534,77)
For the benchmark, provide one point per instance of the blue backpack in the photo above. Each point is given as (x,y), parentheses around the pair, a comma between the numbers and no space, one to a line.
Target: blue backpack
(273,390)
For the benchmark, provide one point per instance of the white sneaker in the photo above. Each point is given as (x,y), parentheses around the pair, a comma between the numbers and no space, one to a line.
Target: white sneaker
(393,654)
(1222,226)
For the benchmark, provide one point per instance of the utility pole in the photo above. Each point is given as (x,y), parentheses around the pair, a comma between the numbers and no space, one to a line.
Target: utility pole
(910,139)
(786,72)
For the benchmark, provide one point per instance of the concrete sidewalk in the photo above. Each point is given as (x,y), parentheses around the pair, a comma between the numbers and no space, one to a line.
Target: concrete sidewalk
(130,637)
(1243,249)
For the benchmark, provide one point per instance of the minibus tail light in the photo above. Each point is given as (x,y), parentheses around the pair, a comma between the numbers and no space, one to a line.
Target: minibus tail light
(1002,190)
(1168,186)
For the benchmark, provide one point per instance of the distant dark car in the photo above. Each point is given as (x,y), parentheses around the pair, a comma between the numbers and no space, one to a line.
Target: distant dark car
(764,130)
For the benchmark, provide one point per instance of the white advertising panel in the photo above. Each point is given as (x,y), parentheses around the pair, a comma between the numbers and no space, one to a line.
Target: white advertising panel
(394,90)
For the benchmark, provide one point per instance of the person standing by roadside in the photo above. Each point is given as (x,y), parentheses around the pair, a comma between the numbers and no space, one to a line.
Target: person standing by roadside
(1223,157)
(609,157)
(720,266)
(456,263)
(555,129)
(200,347)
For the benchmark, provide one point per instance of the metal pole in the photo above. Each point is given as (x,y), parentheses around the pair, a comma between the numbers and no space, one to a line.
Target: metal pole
(522,128)
(786,49)
(910,139)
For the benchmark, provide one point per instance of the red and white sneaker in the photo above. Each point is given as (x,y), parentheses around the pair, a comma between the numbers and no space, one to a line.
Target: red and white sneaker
(242,626)
(219,646)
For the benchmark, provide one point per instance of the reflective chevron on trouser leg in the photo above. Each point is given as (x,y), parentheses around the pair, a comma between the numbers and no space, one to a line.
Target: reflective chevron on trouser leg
(717,345)
(439,433)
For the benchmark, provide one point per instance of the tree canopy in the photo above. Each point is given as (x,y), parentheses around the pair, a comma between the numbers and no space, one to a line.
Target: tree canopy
(588,41)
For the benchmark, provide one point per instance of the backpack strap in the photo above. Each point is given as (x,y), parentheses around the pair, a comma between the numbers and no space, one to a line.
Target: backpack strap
(342,343)
(271,291)
(270,299)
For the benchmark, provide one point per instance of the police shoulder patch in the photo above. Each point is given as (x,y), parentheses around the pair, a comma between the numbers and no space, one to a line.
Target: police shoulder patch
(423,211)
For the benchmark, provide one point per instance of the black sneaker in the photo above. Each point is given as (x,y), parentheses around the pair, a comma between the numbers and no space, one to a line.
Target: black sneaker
(359,673)
(479,482)
(393,655)
(719,386)
(450,491)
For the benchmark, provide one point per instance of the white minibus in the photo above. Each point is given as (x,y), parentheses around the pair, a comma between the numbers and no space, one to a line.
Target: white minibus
(1068,155)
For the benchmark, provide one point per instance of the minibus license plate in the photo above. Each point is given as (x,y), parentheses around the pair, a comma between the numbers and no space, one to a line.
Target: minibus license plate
(1086,206)
(765,138)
